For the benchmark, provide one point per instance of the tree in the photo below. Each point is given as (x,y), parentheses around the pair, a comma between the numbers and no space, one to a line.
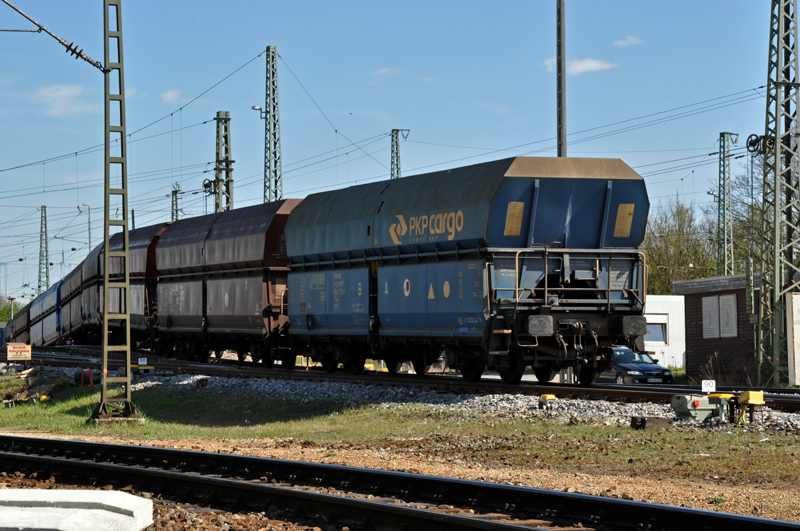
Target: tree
(746,188)
(678,246)
(747,214)
(5,309)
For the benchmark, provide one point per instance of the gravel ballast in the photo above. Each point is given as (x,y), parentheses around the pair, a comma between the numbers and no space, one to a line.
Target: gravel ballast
(763,499)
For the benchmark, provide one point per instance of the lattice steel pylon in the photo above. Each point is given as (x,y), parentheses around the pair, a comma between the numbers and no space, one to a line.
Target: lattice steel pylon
(395,168)
(780,274)
(273,178)
(725,207)
(44,256)
(222,185)
(223,171)
(121,406)
(176,188)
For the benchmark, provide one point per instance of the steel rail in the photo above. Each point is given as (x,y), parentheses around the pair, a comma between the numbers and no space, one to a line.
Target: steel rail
(777,399)
(592,511)
(260,495)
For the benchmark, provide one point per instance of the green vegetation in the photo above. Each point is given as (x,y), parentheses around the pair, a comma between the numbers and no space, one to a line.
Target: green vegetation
(10,385)
(677,246)
(681,238)
(428,434)
(679,375)
(5,309)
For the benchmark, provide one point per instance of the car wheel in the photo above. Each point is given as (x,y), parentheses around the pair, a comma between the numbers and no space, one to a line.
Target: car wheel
(620,378)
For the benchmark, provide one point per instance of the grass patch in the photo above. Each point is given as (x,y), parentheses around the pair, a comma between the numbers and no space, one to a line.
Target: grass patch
(679,375)
(10,385)
(429,434)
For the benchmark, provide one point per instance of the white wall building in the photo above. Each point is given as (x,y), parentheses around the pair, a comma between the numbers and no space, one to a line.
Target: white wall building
(666,335)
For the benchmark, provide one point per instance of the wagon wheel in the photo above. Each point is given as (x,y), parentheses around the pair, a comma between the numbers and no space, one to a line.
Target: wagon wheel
(354,363)
(513,374)
(420,367)
(268,362)
(288,360)
(511,377)
(203,354)
(392,365)
(588,375)
(164,348)
(544,374)
(187,350)
(329,362)
(241,355)
(256,354)
(471,368)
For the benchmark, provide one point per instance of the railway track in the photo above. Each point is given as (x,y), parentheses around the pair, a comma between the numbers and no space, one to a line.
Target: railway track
(89,357)
(363,498)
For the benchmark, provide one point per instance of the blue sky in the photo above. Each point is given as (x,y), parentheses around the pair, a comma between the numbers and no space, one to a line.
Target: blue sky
(473,81)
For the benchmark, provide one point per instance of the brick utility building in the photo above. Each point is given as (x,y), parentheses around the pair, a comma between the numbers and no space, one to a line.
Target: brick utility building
(720,333)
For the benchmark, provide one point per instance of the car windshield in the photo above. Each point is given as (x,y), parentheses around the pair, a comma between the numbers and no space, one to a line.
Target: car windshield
(626,355)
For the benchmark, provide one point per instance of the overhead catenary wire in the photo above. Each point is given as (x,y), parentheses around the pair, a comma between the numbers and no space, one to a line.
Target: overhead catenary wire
(98,148)
(297,171)
(487,150)
(300,169)
(335,129)
(71,48)
(152,175)
(738,99)
(182,107)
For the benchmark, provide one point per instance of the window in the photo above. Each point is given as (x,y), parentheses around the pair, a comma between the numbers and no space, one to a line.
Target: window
(727,315)
(656,333)
(656,328)
(719,316)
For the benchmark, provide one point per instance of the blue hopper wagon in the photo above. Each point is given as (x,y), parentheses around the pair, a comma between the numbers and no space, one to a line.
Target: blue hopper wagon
(502,265)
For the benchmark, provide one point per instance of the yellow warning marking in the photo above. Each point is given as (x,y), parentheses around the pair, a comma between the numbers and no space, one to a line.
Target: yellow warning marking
(430,293)
(622,227)
(514,218)
(446,289)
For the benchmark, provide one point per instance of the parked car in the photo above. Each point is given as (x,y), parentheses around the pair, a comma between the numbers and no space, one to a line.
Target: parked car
(632,368)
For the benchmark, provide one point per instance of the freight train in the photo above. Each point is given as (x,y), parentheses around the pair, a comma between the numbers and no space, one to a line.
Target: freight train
(516,263)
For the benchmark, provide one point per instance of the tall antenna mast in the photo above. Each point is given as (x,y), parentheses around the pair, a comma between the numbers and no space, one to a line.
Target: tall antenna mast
(561,83)
(44,256)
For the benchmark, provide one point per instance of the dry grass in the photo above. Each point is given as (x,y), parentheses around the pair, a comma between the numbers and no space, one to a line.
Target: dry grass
(737,456)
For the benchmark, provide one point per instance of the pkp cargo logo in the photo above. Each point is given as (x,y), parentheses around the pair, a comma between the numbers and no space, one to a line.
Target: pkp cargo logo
(432,226)
(397,230)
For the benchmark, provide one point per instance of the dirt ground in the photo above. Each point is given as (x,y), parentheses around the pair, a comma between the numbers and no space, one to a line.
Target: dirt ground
(750,500)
